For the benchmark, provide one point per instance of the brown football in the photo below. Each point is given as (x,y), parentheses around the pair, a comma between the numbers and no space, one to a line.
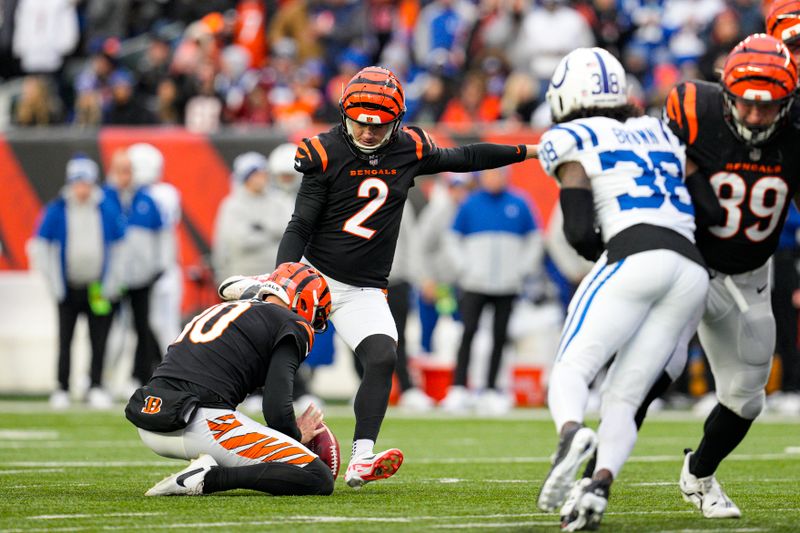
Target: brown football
(327,447)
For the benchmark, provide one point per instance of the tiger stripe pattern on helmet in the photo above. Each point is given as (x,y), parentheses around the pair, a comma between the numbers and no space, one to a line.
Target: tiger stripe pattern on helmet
(375,96)
(760,68)
(306,290)
(783,21)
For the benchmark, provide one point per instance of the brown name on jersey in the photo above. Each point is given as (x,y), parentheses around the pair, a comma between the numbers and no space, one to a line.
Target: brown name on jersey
(374,172)
(754,167)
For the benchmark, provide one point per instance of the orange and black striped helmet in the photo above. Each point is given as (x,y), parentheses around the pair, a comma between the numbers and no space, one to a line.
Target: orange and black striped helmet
(783,21)
(760,69)
(373,96)
(303,289)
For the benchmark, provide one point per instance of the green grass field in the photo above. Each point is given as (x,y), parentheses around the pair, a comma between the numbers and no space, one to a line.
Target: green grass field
(87,471)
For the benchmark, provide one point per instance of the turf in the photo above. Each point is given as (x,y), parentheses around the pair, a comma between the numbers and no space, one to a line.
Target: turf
(87,471)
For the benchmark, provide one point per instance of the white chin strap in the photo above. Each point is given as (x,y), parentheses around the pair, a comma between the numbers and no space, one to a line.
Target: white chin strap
(363,147)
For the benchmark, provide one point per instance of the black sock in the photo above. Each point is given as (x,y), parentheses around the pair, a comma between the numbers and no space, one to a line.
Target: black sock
(377,354)
(659,387)
(722,433)
(278,479)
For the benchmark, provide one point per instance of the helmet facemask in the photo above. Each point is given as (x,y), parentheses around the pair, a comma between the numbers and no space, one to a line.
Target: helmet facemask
(760,70)
(373,97)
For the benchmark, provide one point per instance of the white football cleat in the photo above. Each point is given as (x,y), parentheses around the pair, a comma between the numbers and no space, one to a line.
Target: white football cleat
(492,402)
(414,399)
(585,505)
(98,398)
(234,288)
(457,401)
(706,493)
(362,470)
(573,449)
(59,400)
(187,482)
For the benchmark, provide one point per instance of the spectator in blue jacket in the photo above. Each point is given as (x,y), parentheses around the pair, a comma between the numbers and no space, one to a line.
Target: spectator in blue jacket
(78,247)
(494,245)
(145,259)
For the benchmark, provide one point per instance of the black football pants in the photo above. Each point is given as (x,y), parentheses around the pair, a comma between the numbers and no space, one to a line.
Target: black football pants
(75,303)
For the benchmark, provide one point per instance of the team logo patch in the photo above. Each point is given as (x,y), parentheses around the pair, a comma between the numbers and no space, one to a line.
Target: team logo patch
(152,405)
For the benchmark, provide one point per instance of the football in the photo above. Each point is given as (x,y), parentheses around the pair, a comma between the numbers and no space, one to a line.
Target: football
(327,447)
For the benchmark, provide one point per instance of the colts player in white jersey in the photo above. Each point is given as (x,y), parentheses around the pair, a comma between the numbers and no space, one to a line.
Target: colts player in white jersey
(623,173)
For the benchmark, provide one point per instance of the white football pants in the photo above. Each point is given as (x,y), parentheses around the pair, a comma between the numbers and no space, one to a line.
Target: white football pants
(231,438)
(635,308)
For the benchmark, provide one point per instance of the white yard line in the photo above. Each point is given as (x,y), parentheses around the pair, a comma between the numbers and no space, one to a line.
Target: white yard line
(89,515)
(28,434)
(410,460)
(72,444)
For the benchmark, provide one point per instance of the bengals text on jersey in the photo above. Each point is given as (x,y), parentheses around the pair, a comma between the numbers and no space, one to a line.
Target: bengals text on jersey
(350,207)
(754,184)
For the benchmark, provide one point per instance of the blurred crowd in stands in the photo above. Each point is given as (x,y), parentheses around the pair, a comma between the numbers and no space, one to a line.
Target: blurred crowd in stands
(260,62)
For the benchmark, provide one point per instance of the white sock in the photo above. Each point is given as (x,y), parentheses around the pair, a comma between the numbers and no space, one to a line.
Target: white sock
(362,447)
(567,395)
(616,436)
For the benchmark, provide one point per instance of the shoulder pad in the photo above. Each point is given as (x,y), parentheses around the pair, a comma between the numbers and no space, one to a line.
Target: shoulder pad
(680,111)
(565,142)
(423,141)
(311,156)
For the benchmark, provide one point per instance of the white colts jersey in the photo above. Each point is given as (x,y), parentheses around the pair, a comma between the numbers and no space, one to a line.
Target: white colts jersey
(636,169)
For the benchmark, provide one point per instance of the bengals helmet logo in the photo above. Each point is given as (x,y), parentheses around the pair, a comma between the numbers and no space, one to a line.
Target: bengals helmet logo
(152,405)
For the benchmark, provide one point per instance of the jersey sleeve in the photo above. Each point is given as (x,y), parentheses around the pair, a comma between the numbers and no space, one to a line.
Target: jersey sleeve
(300,332)
(564,143)
(680,112)
(311,156)
(424,143)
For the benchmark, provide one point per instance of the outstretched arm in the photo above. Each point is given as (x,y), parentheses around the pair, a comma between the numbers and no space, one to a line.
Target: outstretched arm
(472,157)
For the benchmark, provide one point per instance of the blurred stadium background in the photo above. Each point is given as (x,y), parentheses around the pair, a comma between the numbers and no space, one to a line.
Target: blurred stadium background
(206,81)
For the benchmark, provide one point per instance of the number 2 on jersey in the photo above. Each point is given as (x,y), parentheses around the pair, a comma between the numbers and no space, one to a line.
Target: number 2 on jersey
(354,223)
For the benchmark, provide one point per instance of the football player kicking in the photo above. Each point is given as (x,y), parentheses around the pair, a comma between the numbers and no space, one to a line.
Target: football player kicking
(625,173)
(743,136)
(188,408)
(347,217)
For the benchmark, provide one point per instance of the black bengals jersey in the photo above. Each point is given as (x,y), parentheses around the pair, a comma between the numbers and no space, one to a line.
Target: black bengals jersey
(228,347)
(754,184)
(347,216)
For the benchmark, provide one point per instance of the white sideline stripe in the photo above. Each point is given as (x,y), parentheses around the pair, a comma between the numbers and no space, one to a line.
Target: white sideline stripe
(89,515)
(792,449)
(495,525)
(72,444)
(37,485)
(89,464)
(30,434)
(31,470)
(370,519)
(633,459)
(421,460)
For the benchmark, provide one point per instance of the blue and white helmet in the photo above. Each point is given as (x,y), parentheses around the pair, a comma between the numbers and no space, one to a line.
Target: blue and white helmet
(585,78)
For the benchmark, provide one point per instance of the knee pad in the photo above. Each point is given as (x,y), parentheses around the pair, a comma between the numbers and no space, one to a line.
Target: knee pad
(756,335)
(323,473)
(377,351)
(745,394)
